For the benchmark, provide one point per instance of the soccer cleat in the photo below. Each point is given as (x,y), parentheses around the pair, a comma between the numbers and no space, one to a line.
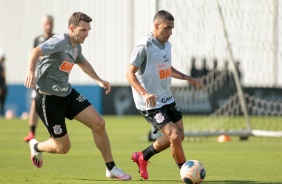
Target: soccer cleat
(36,157)
(29,136)
(142,164)
(117,173)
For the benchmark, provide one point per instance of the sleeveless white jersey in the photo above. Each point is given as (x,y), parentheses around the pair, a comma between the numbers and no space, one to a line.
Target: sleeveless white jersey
(156,78)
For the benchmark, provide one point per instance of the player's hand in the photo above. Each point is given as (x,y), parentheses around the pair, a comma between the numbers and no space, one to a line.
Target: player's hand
(106,85)
(196,82)
(150,100)
(29,80)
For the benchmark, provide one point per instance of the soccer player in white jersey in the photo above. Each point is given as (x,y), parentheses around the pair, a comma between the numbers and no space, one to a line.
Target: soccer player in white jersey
(56,99)
(149,73)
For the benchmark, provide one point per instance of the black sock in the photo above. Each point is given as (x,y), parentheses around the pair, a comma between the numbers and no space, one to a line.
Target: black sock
(149,152)
(180,165)
(32,128)
(36,148)
(110,165)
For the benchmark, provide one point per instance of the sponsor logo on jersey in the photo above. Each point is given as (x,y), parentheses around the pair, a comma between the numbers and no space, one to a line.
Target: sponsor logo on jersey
(58,88)
(164,71)
(165,59)
(66,66)
(164,100)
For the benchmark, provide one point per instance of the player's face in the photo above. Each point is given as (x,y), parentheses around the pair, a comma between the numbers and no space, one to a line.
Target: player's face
(47,26)
(164,30)
(81,32)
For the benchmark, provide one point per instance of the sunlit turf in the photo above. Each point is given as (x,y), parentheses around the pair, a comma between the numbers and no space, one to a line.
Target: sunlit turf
(255,161)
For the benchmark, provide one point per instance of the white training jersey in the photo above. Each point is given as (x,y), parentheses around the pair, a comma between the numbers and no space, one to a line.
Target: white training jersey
(156,77)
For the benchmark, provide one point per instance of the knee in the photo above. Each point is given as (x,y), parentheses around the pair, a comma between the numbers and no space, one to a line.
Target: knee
(64,149)
(176,138)
(100,124)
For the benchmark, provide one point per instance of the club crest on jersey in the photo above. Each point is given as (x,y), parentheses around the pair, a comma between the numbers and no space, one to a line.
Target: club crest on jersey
(72,52)
(41,39)
(75,53)
(57,129)
(159,117)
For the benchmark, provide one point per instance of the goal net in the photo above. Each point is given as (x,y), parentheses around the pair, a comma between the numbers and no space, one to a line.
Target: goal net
(233,47)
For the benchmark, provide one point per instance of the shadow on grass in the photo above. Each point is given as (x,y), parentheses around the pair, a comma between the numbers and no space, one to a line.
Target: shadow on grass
(239,181)
(178,181)
(129,181)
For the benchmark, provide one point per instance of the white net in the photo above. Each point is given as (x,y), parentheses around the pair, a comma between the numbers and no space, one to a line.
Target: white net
(199,49)
(220,112)
(253,28)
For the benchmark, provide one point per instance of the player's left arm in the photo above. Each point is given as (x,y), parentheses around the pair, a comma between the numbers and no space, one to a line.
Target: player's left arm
(89,70)
(178,75)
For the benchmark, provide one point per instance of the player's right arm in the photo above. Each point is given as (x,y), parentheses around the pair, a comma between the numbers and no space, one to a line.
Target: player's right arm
(32,59)
(137,58)
(149,99)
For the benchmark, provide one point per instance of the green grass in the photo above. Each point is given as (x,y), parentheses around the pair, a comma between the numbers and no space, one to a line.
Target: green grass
(256,161)
(199,122)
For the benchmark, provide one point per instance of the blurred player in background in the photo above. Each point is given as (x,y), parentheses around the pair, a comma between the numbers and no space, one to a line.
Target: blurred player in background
(56,99)
(150,73)
(47,27)
(3,86)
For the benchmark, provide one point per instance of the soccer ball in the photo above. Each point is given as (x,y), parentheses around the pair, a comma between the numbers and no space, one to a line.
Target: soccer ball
(192,172)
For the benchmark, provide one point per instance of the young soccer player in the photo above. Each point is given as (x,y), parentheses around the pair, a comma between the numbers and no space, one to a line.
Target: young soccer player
(149,73)
(56,99)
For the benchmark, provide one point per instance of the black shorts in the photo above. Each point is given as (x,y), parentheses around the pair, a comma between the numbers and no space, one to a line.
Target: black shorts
(53,110)
(161,116)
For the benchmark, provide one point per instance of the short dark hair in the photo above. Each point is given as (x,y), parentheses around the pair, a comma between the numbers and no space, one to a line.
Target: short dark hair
(163,15)
(49,18)
(76,17)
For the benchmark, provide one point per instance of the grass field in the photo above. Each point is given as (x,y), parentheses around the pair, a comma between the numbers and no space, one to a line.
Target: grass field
(255,161)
